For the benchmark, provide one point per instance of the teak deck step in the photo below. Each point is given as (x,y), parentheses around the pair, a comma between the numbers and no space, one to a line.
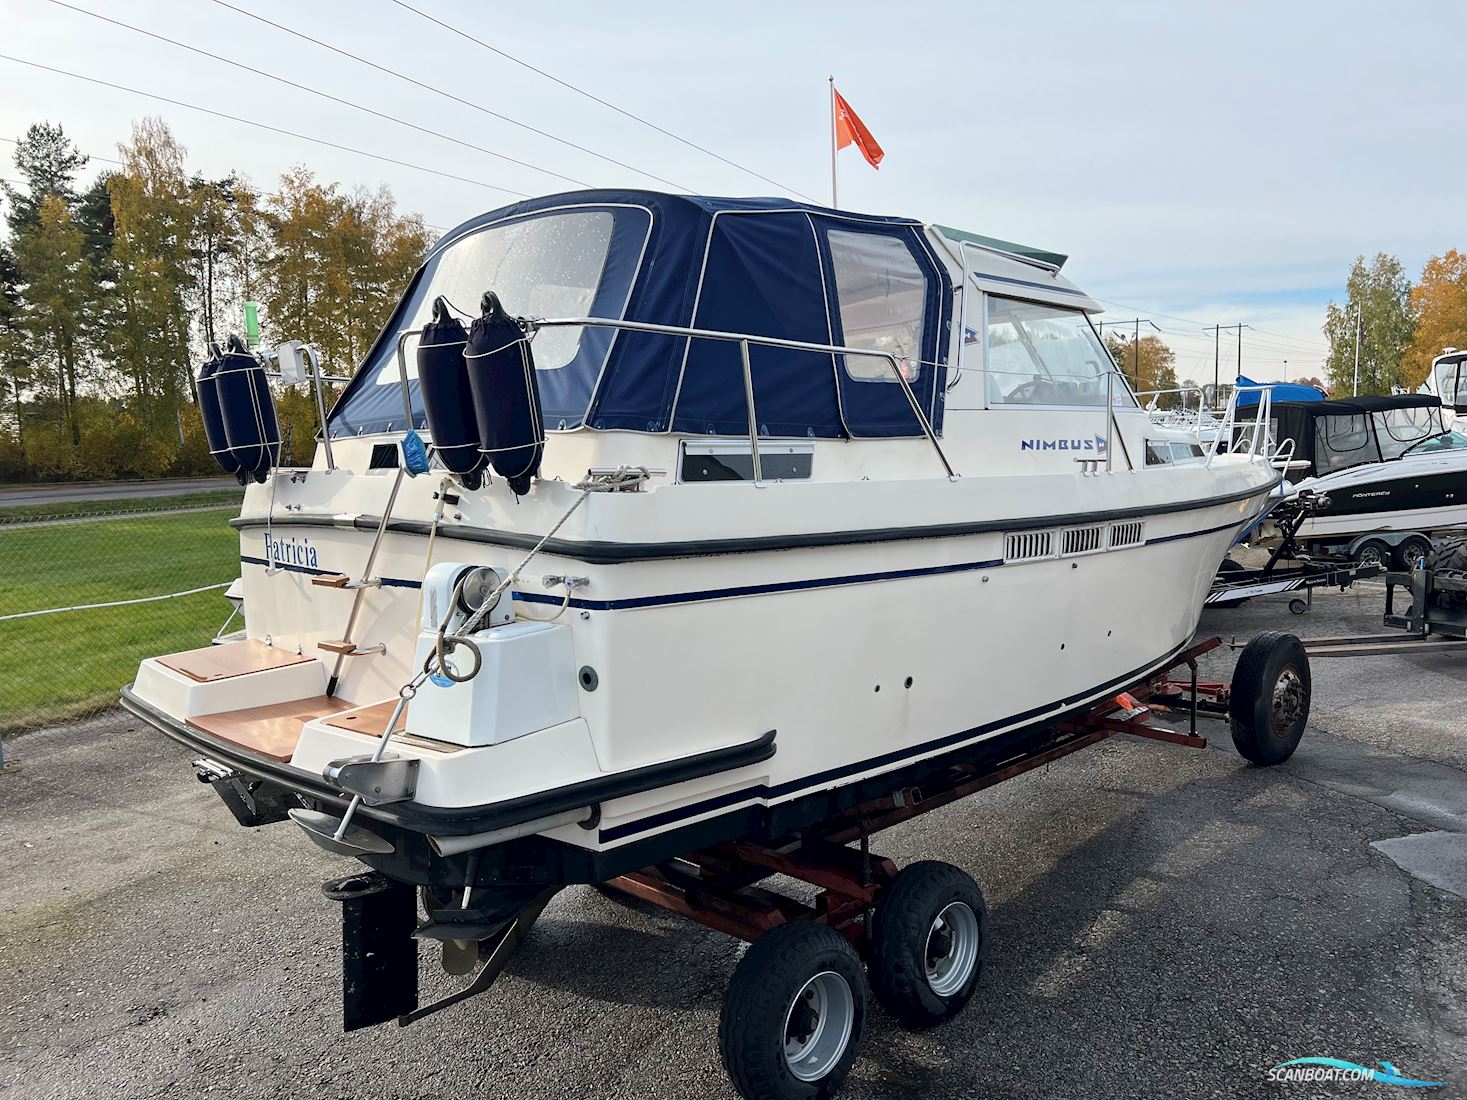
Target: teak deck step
(372,720)
(271,730)
(351,649)
(220,662)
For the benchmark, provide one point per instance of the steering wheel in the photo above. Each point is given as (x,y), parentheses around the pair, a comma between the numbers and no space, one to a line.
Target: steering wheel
(1031,392)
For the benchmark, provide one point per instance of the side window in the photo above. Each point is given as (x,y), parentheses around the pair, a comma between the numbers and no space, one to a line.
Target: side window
(1342,441)
(1046,355)
(882,296)
(1158,453)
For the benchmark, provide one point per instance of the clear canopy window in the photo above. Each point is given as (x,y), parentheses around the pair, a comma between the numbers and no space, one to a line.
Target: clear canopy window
(542,267)
(882,295)
(1401,429)
(1046,355)
(1343,441)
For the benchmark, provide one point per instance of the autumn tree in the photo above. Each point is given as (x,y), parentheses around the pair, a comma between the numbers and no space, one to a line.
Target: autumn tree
(1148,365)
(337,265)
(57,290)
(14,364)
(153,211)
(225,233)
(1382,295)
(1440,305)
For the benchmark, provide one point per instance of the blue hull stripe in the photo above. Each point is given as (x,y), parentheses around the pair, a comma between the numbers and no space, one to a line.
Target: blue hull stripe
(674,598)
(387,582)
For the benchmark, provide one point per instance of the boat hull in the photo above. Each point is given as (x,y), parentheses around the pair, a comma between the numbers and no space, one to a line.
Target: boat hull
(1408,495)
(857,661)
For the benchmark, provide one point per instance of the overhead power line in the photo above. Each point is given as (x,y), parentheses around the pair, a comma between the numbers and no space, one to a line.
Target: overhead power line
(323,95)
(261,125)
(448,95)
(597,99)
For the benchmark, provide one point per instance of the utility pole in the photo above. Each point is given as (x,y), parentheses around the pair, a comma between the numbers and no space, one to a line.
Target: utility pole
(1355,392)
(1135,323)
(1216,339)
(1240,327)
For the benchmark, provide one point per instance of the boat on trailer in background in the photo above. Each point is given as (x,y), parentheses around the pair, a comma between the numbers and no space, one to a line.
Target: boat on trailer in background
(744,527)
(1388,476)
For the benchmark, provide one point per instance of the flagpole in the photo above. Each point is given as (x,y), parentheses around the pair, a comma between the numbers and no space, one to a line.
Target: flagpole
(833,201)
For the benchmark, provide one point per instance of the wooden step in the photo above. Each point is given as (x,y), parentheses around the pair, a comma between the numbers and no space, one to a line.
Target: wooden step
(272,730)
(331,580)
(220,662)
(351,649)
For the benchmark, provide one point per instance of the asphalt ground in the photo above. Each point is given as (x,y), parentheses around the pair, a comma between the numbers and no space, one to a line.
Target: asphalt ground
(1163,922)
(17,496)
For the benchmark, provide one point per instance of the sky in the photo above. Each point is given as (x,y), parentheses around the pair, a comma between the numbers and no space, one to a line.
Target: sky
(1201,164)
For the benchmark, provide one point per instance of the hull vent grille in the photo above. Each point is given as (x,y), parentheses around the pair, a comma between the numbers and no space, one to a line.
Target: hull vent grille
(1125,534)
(1029,546)
(1084,540)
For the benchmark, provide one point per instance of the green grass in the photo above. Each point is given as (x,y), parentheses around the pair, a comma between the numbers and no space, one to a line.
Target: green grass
(62,508)
(59,666)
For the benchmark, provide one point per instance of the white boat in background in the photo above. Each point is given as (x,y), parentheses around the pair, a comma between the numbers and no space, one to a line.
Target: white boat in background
(784,507)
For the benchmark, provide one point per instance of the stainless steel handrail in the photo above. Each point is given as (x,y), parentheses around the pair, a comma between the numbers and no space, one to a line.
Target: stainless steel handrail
(1258,429)
(744,340)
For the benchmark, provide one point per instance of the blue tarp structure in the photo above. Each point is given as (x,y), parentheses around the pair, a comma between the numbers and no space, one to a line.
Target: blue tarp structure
(767,267)
(1281,391)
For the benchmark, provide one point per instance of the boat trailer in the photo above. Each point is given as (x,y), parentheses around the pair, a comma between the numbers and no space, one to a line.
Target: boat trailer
(1235,584)
(796,1003)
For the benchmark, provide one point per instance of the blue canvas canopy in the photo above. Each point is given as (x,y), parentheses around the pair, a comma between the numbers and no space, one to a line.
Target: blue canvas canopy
(1281,391)
(766,267)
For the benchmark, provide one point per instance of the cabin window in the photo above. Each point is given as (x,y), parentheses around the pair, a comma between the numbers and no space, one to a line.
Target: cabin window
(882,296)
(1046,355)
(1398,430)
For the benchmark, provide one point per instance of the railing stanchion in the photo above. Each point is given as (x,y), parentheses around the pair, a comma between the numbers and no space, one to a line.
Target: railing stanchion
(749,405)
(1110,416)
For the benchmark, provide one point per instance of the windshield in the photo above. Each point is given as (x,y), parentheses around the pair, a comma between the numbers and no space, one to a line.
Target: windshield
(1452,441)
(571,263)
(1046,355)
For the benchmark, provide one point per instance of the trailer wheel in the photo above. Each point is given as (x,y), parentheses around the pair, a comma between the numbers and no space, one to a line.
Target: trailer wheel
(1298,606)
(1373,552)
(1412,553)
(928,940)
(793,1014)
(1269,706)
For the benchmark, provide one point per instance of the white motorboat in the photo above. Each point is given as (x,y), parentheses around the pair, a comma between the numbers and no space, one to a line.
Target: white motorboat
(794,506)
(1391,469)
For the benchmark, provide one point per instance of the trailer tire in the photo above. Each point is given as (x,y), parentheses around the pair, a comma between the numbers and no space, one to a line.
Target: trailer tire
(1412,552)
(793,1014)
(1448,556)
(1226,566)
(1269,705)
(928,941)
(1372,552)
